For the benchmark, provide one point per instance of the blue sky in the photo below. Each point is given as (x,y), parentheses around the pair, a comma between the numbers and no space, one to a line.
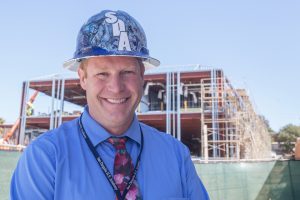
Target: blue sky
(256,43)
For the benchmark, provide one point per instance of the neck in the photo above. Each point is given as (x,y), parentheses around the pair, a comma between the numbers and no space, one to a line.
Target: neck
(117,131)
(110,127)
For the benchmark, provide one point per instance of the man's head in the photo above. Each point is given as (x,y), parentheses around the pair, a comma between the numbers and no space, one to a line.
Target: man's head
(112,54)
(114,87)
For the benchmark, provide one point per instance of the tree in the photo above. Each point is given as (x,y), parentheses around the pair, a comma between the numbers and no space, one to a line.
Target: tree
(1,129)
(288,135)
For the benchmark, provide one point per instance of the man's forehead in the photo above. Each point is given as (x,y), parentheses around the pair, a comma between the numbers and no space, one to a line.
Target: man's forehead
(111,61)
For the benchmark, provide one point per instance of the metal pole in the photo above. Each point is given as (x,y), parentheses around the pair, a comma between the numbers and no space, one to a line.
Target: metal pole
(62,95)
(217,111)
(57,97)
(212,85)
(225,106)
(17,141)
(23,116)
(238,150)
(205,144)
(226,136)
(52,104)
(168,102)
(173,105)
(178,108)
(202,117)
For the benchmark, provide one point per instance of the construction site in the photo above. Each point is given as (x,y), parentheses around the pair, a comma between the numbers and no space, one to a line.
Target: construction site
(197,105)
(229,142)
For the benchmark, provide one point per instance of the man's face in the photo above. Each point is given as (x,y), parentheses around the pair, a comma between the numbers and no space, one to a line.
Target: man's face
(114,87)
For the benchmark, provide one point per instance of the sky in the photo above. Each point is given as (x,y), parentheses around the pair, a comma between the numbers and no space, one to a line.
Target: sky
(256,43)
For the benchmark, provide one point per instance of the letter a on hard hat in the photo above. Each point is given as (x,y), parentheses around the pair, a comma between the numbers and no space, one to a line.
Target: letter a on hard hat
(111,33)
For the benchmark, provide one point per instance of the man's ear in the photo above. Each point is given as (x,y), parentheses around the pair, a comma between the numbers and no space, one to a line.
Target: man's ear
(82,77)
(142,69)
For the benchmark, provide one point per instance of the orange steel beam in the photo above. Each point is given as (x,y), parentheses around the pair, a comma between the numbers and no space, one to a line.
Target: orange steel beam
(13,129)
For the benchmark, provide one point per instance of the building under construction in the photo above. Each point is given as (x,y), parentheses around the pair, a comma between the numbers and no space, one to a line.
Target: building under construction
(196,105)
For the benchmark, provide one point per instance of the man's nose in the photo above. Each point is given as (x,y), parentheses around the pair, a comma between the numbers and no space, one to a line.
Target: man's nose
(115,84)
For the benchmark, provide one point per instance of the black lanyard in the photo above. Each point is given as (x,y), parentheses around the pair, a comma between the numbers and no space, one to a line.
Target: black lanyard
(104,168)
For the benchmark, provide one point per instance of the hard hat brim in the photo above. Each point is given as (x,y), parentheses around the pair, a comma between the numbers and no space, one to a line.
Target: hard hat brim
(74,63)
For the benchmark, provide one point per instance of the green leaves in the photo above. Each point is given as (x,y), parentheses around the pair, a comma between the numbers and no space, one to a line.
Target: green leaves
(1,130)
(288,136)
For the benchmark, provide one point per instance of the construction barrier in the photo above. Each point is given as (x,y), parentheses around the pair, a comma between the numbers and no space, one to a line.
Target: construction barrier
(272,180)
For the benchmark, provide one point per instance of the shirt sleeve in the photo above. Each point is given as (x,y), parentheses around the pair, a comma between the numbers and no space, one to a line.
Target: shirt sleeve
(195,187)
(34,176)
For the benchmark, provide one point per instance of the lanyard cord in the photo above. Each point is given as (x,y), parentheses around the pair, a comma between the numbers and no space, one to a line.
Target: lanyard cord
(103,166)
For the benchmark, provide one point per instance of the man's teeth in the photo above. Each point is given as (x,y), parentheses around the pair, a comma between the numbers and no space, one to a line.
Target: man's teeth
(116,101)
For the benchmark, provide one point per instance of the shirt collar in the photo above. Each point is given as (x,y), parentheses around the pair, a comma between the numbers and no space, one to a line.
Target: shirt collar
(98,134)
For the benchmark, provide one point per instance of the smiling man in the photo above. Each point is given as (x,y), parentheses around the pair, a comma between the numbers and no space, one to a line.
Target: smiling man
(114,87)
(107,153)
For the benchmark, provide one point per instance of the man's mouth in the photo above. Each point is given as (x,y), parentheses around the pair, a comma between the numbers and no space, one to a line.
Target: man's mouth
(116,100)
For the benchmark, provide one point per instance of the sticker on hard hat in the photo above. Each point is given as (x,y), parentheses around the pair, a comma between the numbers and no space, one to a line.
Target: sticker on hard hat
(118,28)
(111,33)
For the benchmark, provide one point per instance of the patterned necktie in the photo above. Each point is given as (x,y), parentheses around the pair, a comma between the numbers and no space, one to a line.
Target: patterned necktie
(123,168)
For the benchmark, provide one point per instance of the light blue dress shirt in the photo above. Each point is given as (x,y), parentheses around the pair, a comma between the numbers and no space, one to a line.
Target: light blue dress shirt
(60,165)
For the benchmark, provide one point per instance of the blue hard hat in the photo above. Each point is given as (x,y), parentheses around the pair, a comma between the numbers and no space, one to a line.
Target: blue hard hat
(111,33)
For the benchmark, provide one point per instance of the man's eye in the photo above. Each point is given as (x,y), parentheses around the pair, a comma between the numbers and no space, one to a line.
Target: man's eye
(128,72)
(102,74)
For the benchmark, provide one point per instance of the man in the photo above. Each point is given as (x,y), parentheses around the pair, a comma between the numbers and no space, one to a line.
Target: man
(106,153)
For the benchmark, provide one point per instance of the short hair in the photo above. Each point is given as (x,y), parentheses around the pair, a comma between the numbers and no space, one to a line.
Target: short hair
(82,65)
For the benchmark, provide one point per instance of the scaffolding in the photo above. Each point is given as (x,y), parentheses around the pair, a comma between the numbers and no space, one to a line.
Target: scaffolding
(230,127)
(195,104)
